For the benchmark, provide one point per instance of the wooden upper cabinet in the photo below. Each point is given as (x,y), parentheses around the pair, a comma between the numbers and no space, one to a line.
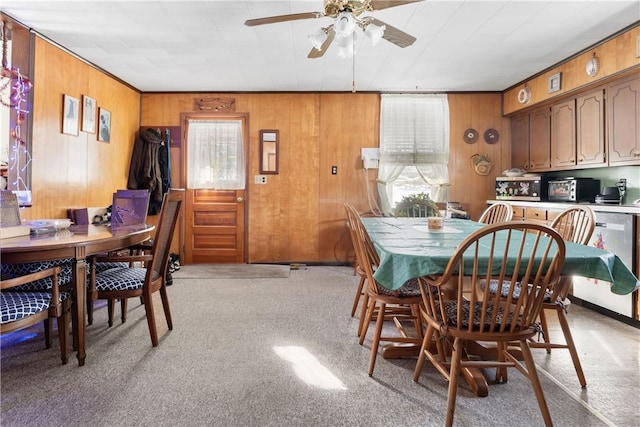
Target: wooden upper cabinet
(590,130)
(563,135)
(623,121)
(520,142)
(540,140)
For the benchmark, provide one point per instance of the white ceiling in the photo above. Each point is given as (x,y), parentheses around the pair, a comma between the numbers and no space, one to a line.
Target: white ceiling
(472,45)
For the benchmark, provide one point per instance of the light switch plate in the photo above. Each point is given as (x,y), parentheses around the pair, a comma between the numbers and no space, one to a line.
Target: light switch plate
(260,179)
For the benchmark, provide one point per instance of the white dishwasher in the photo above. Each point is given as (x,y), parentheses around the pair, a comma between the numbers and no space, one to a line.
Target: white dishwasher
(615,233)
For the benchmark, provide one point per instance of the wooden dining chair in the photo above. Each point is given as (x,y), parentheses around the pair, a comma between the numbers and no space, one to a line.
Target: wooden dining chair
(497,213)
(143,281)
(399,306)
(351,211)
(21,309)
(459,319)
(575,225)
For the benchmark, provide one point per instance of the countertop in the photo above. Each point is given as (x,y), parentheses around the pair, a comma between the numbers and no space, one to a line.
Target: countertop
(628,208)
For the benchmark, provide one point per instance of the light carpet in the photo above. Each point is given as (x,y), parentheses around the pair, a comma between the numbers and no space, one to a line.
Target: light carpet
(232,271)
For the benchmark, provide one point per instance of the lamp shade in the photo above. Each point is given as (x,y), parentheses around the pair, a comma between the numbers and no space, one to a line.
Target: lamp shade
(345,24)
(346,45)
(317,38)
(374,32)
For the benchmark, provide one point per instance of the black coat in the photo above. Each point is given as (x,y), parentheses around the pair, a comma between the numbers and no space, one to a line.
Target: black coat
(144,170)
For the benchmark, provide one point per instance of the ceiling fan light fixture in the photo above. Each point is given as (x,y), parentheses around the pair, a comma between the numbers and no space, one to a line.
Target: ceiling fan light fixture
(345,24)
(374,32)
(318,37)
(346,45)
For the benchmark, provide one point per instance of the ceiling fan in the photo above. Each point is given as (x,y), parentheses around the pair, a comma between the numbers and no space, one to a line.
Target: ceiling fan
(346,14)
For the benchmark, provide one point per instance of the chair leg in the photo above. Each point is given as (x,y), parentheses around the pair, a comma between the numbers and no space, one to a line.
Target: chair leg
(110,310)
(89,310)
(370,308)
(425,342)
(363,314)
(532,374)
(356,299)
(165,305)
(454,376)
(151,319)
(545,329)
(564,324)
(48,328)
(376,337)
(63,335)
(123,309)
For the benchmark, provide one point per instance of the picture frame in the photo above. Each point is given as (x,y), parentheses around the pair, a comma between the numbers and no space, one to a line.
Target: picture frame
(88,114)
(70,115)
(104,125)
(555,82)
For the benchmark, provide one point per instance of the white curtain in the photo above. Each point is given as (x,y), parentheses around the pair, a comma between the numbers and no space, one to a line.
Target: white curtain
(414,131)
(215,156)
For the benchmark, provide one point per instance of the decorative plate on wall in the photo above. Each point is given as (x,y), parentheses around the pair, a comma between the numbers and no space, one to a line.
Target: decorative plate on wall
(491,136)
(470,136)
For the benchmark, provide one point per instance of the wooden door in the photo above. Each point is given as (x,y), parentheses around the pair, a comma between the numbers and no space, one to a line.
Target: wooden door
(215,226)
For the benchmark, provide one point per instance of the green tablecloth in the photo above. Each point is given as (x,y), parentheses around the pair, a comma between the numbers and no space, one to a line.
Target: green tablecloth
(408,249)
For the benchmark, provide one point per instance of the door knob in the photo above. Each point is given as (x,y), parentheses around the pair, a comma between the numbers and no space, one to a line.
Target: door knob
(240,200)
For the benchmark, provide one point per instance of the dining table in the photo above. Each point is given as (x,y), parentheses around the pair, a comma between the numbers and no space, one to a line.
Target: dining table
(77,243)
(407,249)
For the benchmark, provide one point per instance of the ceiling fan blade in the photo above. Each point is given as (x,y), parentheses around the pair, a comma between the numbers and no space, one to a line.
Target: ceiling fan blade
(382,4)
(392,34)
(315,53)
(283,18)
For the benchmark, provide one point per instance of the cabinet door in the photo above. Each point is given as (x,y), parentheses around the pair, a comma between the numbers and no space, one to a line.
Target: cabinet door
(623,121)
(540,140)
(520,142)
(563,135)
(590,145)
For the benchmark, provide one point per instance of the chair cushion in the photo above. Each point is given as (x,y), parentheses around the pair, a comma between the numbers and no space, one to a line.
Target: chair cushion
(18,305)
(120,279)
(10,271)
(108,265)
(451,308)
(504,290)
(410,289)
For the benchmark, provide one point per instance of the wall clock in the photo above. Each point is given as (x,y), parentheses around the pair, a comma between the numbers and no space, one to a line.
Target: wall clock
(524,95)
(593,66)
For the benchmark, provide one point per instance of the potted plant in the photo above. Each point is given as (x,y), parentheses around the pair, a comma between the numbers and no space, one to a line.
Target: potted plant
(416,205)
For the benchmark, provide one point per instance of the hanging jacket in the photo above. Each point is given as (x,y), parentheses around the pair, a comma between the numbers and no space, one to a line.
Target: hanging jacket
(144,170)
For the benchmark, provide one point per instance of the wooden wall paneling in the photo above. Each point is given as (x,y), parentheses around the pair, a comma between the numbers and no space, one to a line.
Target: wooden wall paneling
(348,122)
(283,213)
(616,55)
(480,112)
(78,170)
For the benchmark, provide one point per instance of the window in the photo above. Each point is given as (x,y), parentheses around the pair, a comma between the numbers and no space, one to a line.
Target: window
(414,148)
(215,154)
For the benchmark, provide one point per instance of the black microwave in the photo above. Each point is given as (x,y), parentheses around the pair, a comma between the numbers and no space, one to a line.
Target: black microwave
(529,188)
(573,190)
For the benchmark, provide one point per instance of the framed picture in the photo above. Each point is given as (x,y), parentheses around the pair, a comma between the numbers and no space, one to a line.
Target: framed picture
(88,114)
(70,115)
(104,123)
(555,82)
